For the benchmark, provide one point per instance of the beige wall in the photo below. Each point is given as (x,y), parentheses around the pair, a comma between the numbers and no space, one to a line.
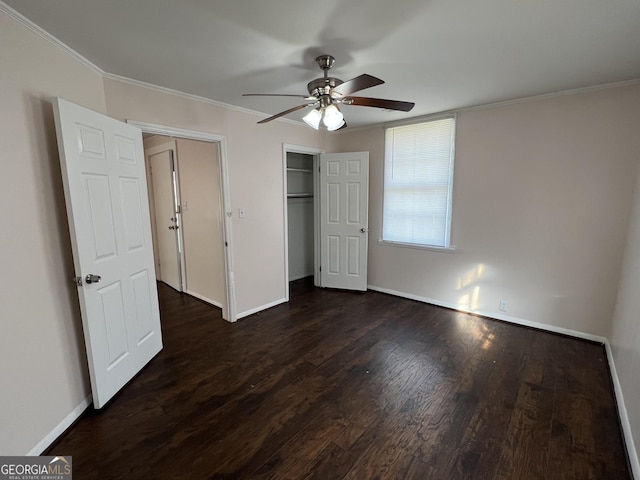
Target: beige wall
(625,334)
(202,220)
(43,366)
(254,155)
(541,203)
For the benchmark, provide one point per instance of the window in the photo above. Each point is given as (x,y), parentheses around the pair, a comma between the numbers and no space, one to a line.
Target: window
(418,180)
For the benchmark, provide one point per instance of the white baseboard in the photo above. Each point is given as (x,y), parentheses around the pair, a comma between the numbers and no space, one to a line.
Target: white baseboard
(622,413)
(59,429)
(246,313)
(203,298)
(504,318)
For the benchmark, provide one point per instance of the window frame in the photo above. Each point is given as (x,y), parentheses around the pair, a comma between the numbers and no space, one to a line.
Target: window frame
(447,247)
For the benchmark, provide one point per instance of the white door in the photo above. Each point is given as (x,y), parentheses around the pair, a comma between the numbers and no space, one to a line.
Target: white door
(344,227)
(163,180)
(105,186)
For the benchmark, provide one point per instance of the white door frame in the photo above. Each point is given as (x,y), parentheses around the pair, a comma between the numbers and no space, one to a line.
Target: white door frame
(316,152)
(229,311)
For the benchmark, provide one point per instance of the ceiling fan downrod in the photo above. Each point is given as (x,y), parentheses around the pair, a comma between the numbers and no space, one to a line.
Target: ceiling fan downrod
(323,86)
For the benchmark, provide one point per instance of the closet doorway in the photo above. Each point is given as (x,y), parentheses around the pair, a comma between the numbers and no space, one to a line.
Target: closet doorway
(186,202)
(301,207)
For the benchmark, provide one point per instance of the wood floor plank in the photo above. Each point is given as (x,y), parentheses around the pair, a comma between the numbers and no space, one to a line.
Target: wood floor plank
(295,458)
(529,429)
(332,462)
(336,385)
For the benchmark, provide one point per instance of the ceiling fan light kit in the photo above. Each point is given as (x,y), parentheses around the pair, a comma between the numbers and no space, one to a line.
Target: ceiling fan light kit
(331,117)
(327,93)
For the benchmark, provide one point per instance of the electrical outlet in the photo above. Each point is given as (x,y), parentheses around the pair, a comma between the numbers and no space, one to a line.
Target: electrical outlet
(242,212)
(503,305)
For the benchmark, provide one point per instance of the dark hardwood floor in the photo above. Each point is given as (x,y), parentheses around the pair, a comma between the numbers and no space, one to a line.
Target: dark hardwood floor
(359,386)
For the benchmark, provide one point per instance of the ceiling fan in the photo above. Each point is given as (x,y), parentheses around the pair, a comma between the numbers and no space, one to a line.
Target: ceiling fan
(326,94)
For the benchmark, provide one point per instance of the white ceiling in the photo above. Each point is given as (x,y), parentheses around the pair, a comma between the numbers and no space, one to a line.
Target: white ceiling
(440,54)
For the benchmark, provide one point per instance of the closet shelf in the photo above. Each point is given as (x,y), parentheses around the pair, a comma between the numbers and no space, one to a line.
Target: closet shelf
(299,195)
(304,170)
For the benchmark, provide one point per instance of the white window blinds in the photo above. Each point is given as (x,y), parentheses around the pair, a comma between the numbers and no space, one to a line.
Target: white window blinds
(418,180)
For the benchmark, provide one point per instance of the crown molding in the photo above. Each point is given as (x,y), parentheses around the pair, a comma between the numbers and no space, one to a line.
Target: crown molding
(189,96)
(503,103)
(545,96)
(25,22)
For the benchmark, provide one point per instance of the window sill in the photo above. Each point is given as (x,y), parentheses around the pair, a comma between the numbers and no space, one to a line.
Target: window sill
(450,249)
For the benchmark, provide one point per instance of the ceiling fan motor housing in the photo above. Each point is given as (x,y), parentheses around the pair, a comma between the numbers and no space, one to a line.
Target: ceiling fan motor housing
(322,86)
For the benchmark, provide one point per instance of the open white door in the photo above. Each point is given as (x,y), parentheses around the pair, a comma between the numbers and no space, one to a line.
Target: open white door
(105,187)
(344,220)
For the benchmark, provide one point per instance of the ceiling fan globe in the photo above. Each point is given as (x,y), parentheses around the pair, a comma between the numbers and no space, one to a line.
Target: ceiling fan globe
(332,117)
(313,118)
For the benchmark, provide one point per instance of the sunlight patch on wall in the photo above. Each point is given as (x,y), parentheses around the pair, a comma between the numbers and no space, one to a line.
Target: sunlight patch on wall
(471,277)
(470,302)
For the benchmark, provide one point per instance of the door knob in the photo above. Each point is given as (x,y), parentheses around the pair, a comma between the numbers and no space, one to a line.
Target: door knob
(364,230)
(92,278)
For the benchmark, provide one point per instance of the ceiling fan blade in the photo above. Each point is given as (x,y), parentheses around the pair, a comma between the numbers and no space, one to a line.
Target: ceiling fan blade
(379,102)
(276,95)
(286,112)
(358,83)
